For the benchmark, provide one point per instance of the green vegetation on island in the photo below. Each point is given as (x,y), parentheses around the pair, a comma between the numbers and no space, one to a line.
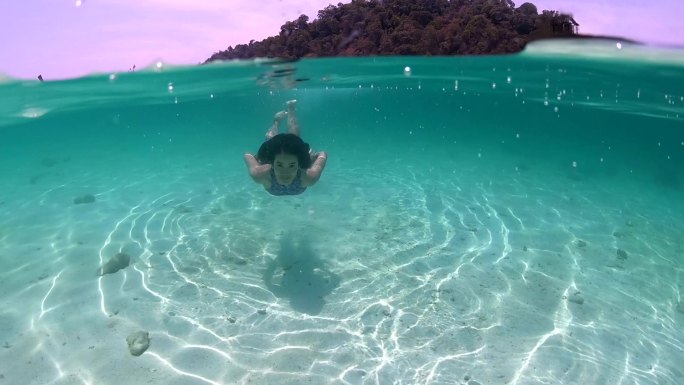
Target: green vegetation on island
(409,27)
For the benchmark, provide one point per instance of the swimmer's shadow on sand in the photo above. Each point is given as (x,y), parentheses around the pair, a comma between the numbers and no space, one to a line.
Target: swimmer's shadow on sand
(298,275)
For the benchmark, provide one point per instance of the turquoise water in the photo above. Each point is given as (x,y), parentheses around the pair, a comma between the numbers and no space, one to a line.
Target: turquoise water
(481,220)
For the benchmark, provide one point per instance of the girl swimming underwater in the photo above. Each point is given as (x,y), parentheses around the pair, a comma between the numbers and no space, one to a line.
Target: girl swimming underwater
(285,164)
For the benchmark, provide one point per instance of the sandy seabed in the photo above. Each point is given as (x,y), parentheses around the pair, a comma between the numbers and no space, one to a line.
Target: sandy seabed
(517,278)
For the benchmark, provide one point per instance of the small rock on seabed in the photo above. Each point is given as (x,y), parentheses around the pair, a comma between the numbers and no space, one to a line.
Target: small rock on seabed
(470,382)
(621,254)
(580,243)
(87,198)
(138,342)
(576,298)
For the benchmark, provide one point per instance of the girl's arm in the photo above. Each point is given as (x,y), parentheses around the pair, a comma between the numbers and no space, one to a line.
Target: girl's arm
(314,172)
(258,171)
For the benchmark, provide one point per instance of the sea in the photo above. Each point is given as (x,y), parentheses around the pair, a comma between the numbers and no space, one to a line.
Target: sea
(481,220)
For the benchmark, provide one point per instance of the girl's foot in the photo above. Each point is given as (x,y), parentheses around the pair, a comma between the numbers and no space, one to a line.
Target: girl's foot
(280,115)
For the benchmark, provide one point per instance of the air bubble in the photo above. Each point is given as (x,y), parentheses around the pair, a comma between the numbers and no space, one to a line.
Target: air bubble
(407,71)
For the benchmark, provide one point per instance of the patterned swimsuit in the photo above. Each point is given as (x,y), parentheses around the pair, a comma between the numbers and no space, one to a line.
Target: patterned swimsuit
(295,188)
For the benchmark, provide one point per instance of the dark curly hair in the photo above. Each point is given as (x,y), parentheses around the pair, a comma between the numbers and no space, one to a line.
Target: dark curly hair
(288,144)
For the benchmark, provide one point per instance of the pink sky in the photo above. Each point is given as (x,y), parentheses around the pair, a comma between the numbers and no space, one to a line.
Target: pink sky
(68,38)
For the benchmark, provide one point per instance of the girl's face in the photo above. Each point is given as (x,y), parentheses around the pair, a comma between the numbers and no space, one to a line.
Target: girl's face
(285,167)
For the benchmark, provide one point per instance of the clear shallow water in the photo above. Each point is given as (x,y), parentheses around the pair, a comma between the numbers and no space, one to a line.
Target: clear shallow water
(499,220)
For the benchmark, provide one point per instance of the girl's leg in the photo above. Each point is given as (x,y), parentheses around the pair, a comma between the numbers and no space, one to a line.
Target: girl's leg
(273,130)
(292,122)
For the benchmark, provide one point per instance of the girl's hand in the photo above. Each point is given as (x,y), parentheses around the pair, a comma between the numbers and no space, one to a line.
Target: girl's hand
(257,171)
(314,172)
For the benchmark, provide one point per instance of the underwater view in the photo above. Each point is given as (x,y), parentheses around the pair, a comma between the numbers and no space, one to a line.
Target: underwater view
(481,220)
